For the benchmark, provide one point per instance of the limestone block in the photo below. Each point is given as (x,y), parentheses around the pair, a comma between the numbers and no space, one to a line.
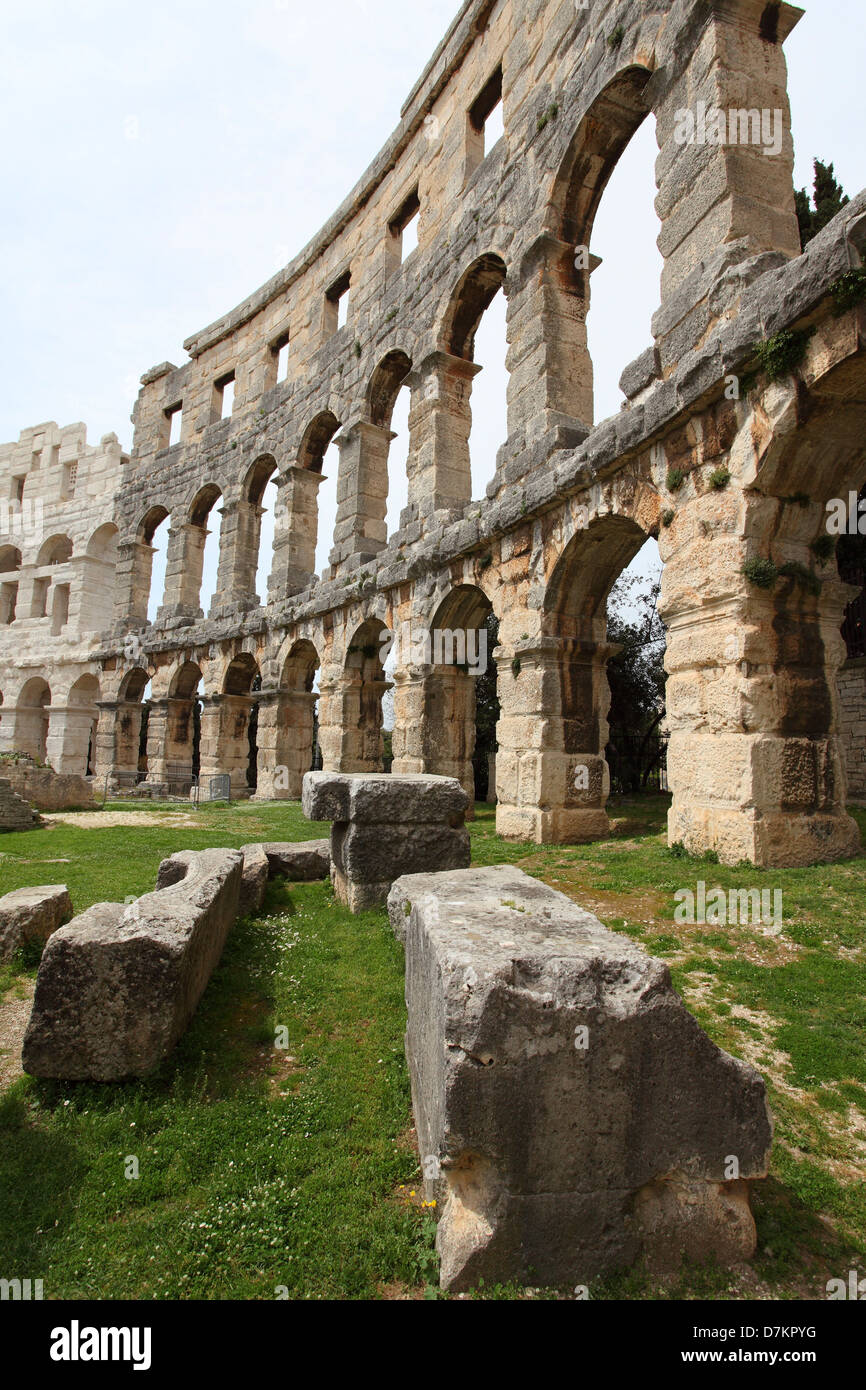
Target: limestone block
(303,862)
(254,879)
(572,1116)
(15,812)
(118,986)
(382,799)
(32,914)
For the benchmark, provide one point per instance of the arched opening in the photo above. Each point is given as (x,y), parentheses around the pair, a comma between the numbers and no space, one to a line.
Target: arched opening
(576,616)
(238,746)
(297,724)
(262,493)
(628,286)
(475,331)
(460,656)
(364,690)
(153,552)
(78,747)
(319,454)
(202,551)
(183,728)
(32,716)
(131,726)
(10,563)
(636,751)
(55,551)
(851,681)
(389,400)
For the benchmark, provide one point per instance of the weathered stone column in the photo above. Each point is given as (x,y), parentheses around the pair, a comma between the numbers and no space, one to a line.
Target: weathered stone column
(296,524)
(157,741)
(132,583)
(550,369)
(238,562)
(233,745)
(362,491)
(712,192)
(754,760)
(440,422)
(183,572)
(285,742)
(449,729)
(118,735)
(350,723)
(210,747)
(410,700)
(552,782)
(69,738)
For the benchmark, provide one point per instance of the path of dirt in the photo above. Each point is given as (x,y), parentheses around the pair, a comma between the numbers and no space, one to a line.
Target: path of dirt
(102,820)
(14,1013)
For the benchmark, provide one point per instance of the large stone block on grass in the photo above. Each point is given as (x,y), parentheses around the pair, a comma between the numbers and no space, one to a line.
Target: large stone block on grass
(118,986)
(32,914)
(572,1115)
(385,826)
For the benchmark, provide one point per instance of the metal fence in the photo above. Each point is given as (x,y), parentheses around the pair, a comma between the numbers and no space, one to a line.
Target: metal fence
(638,764)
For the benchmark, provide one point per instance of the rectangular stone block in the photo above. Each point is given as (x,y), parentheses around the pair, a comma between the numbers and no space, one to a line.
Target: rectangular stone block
(118,986)
(572,1116)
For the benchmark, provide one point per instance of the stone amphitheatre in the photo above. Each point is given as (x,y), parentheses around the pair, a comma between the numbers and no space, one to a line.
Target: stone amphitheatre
(742,420)
(756,758)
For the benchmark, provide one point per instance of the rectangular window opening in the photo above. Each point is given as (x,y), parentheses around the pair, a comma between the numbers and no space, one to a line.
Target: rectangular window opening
(173,417)
(225,396)
(486,121)
(17,489)
(40,598)
(280,350)
(337,304)
(8,600)
(404,227)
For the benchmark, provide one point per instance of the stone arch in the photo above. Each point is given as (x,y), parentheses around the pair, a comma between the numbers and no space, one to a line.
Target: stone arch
(174,730)
(458,655)
(55,551)
(142,568)
(10,559)
(189,583)
(229,723)
(102,545)
(78,731)
(259,478)
(287,725)
(384,387)
(315,440)
(32,718)
(471,297)
(305,520)
(356,744)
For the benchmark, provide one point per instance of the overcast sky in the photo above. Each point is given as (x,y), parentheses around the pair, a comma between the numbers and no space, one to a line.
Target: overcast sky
(161,160)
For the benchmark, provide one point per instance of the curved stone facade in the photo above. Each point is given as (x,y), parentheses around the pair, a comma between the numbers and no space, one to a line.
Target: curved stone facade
(722,464)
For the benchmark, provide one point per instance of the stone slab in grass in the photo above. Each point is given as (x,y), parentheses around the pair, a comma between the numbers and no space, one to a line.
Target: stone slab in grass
(32,914)
(118,986)
(303,862)
(572,1115)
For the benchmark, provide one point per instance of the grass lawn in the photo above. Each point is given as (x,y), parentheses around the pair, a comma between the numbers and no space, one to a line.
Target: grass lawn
(293,1169)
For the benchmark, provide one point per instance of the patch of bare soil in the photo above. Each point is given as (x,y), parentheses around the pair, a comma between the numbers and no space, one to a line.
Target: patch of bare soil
(14,1013)
(102,820)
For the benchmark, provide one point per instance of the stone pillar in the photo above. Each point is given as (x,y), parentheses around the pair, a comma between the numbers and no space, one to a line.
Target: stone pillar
(714,193)
(362,491)
(225,744)
(350,723)
(754,760)
(118,735)
(440,422)
(550,369)
(552,779)
(183,572)
(132,583)
(285,741)
(238,562)
(491,779)
(69,738)
(296,524)
(449,729)
(157,741)
(410,703)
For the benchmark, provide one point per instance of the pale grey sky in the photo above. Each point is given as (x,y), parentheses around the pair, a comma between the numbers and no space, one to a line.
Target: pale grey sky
(160,161)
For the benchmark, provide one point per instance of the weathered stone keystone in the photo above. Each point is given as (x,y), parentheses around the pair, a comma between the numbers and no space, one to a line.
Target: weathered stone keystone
(572,1116)
(32,914)
(385,826)
(118,986)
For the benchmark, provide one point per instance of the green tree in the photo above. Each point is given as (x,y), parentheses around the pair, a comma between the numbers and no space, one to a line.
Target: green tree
(828,198)
(636,676)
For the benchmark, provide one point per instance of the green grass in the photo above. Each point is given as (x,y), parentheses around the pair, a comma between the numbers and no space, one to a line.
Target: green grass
(258,1172)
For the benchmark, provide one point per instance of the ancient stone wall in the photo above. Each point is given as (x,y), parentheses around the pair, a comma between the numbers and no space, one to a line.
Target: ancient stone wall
(852,714)
(57,571)
(728,465)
